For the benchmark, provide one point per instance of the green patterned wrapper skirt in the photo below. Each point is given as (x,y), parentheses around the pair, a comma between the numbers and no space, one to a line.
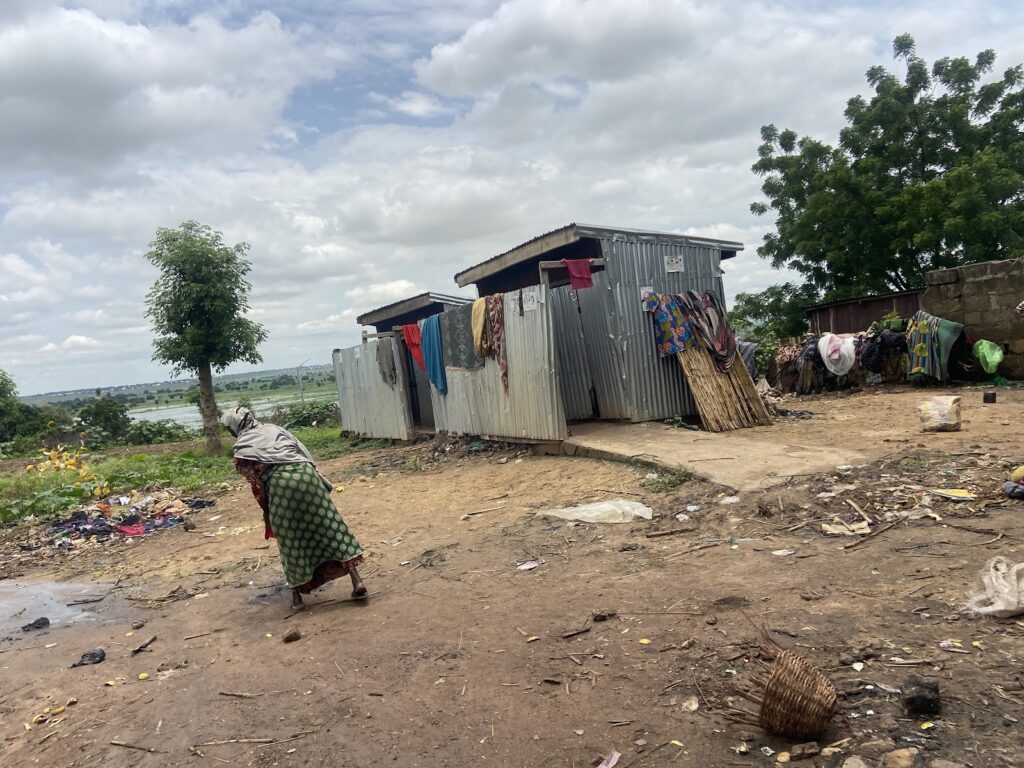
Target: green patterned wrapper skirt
(315,544)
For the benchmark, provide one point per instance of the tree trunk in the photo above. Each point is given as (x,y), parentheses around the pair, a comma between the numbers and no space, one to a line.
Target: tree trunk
(208,408)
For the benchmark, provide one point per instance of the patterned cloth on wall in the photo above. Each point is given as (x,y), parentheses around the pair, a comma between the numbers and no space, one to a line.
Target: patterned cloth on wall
(457,339)
(748,354)
(672,333)
(930,340)
(496,333)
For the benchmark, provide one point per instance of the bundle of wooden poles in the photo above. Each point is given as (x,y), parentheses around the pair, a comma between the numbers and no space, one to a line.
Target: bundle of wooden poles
(725,400)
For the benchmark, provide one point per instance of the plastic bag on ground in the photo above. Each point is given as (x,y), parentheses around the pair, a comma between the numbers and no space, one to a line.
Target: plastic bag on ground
(989,354)
(940,414)
(614,511)
(1003,590)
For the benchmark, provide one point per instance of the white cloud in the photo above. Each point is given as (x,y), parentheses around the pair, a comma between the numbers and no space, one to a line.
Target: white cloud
(413,103)
(369,151)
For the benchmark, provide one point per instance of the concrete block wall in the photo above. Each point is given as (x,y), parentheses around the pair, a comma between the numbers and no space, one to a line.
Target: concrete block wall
(984,298)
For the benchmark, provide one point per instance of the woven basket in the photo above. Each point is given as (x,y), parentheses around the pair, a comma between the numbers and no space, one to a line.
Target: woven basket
(799,700)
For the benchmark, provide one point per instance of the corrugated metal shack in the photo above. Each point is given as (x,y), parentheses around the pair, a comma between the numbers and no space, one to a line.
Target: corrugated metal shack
(856,315)
(605,363)
(476,402)
(381,392)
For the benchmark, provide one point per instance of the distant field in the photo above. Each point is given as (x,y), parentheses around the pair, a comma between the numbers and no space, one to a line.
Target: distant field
(275,387)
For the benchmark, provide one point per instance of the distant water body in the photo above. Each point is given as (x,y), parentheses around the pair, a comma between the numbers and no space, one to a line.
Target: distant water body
(188,415)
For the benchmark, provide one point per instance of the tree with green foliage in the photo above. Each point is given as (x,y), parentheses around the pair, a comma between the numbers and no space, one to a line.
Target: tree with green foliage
(197,307)
(928,174)
(775,313)
(107,415)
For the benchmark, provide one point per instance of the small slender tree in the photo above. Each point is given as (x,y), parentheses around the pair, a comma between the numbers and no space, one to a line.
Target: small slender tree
(197,307)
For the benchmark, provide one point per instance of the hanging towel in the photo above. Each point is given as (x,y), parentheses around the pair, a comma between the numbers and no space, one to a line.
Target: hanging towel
(411,334)
(579,273)
(457,341)
(433,354)
(496,333)
(479,319)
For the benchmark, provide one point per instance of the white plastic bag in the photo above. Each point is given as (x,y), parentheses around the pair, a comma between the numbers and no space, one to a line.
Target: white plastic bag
(837,353)
(1003,594)
(939,414)
(614,511)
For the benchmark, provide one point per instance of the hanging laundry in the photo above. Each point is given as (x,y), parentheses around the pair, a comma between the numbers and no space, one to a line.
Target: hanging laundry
(411,334)
(457,341)
(479,320)
(930,340)
(672,333)
(711,325)
(579,273)
(496,333)
(433,353)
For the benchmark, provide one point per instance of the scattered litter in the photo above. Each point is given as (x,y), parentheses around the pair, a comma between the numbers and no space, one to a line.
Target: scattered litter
(1013,490)
(783,552)
(767,751)
(956,494)
(614,511)
(1002,592)
(651,476)
(41,623)
(529,565)
(644,641)
(939,414)
(858,666)
(144,676)
(839,528)
(1017,476)
(691,508)
(215,518)
(729,500)
(682,517)
(611,761)
(95,656)
(691,704)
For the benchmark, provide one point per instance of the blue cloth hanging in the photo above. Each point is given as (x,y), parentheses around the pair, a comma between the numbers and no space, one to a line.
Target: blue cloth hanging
(433,355)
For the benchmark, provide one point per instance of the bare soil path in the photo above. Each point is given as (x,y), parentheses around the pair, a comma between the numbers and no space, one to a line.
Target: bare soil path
(460,658)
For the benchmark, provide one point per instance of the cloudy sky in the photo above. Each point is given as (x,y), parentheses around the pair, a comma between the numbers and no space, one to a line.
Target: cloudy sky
(371,148)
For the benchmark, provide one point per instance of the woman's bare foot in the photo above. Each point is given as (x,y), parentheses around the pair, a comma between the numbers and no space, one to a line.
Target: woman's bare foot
(358,588)
(297,604)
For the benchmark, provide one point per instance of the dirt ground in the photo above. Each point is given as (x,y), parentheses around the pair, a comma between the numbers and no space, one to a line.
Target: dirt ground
(460,658)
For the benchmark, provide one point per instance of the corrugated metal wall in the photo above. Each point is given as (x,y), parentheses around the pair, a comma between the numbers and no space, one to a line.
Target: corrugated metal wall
(574,375)
(477,404)
(629,379)
(369,406)
(857,316)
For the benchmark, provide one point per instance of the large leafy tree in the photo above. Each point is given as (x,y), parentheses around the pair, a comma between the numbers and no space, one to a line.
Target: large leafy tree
(775,313)
(928,173)
(197,307)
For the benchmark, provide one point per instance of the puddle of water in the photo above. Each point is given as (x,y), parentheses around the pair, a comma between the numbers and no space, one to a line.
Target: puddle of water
(24,601)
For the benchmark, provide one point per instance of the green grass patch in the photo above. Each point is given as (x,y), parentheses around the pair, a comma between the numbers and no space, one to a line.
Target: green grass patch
(191,472)
(34,493)
(666,479)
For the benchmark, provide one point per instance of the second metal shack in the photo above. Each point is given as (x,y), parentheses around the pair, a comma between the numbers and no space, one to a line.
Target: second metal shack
(605,361)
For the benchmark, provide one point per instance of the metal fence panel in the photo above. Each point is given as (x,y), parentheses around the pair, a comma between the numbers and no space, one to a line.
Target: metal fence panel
(573,367)
(371,407)
(476,402)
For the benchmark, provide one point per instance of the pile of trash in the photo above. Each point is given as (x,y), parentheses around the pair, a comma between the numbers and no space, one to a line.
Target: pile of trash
(117,519)
(773,399)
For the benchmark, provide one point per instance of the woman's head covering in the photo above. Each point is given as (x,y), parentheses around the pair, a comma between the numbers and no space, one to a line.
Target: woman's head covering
(265,443)
(238,419)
